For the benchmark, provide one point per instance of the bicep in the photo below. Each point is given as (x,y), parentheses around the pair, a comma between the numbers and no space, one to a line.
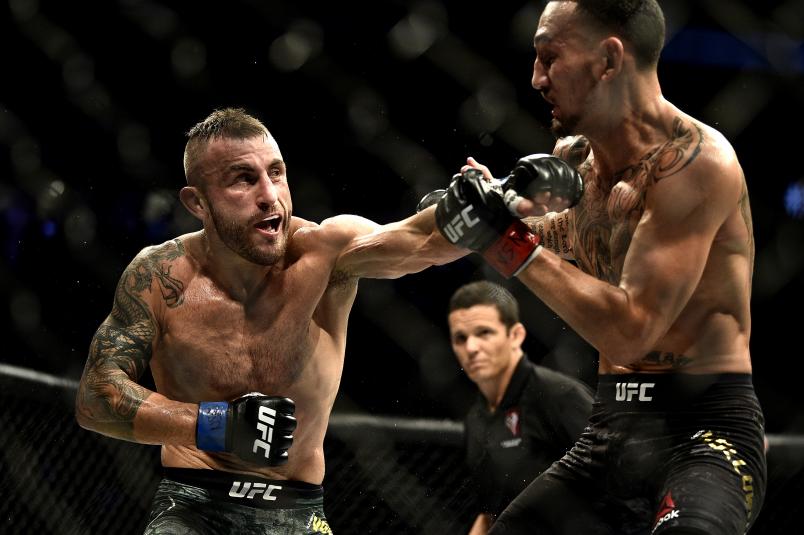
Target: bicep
(671,244)
(396,249)
(124,340)
(119,352)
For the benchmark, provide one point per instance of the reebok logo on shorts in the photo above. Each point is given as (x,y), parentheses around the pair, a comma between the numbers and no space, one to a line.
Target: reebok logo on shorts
(667,511)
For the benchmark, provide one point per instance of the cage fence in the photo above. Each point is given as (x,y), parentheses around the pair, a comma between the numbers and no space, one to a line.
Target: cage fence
(386,475)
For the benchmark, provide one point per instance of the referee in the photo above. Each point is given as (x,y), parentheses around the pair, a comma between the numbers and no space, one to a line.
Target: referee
(525,416)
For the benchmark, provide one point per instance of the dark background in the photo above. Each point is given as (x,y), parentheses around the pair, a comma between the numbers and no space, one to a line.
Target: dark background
(373,105)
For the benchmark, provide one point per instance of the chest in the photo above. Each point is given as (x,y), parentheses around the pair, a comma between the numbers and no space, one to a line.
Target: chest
(216,346)
(606,219)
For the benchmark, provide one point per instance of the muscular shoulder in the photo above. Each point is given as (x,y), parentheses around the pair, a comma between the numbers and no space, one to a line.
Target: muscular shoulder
(168,265)
(330,238)
(701,158)
(572,149)
(335,231)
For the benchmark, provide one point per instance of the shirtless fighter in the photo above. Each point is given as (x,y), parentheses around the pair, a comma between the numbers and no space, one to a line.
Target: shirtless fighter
(255,302)
(663,251)
(244,327)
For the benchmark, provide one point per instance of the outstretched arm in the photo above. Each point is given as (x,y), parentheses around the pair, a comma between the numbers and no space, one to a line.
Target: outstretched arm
(110,401)
(390,251)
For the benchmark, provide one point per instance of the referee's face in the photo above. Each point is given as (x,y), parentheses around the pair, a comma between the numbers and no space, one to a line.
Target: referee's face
(484,346)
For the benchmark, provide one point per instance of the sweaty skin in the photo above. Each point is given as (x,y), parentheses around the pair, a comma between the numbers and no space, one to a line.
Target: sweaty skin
(213,325)
(662,240)
(646,243)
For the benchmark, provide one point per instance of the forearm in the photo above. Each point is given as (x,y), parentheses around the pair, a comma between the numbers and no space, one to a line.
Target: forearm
(398,249)
(605,315)
(120,408)
(555,231)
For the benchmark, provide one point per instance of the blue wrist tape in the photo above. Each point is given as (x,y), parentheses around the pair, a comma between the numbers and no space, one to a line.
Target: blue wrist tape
(210,430)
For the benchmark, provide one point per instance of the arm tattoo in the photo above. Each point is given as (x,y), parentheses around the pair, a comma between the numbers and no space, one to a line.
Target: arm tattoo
(122,346)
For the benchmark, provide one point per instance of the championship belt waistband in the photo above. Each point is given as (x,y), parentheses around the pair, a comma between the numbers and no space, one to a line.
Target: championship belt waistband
(659,391)
(248,490)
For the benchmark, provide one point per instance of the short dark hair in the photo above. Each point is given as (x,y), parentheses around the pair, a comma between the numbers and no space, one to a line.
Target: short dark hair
(639,22)
(230,123)
(487,293)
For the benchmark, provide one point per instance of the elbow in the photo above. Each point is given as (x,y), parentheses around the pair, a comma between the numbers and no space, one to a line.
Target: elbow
(632,340)
(83,412)
(89,406)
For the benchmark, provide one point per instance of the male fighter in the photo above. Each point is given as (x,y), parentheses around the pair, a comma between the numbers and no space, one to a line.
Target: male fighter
(663,247)
(243,325)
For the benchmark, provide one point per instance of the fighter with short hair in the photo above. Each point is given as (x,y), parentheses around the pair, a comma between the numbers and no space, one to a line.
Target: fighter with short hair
(663,250)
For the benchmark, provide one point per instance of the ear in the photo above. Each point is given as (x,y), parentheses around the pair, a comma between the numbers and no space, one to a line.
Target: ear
(194,201)
(613,54)
(517,334)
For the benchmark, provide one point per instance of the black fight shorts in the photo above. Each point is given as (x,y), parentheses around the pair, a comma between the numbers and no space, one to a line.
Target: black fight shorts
(661,454)
(207,502)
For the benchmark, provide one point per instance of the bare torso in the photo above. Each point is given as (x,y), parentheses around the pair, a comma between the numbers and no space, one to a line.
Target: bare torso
(287,340)
(711,333)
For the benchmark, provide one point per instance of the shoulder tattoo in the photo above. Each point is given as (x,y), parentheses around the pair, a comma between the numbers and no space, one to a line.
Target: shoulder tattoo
(678,152)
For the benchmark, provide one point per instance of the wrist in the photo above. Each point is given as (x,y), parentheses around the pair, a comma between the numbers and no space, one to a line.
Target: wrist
(210,429)
(513,250)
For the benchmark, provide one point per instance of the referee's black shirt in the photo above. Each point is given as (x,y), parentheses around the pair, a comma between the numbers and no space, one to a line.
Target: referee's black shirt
(540,416)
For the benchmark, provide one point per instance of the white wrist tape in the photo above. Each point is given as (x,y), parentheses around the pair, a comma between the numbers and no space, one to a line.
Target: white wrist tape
(528,260)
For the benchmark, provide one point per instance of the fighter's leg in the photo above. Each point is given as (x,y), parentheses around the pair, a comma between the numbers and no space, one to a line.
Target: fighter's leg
(177,510)
(551,506)
(705,498)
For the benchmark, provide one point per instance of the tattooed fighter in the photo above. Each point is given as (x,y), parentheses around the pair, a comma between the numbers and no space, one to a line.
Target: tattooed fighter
(244,327)
(663,250)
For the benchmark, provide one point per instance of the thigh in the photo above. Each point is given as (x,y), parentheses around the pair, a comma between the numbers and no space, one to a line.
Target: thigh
(707,498)
(550,505)
(175,511)
(301,521)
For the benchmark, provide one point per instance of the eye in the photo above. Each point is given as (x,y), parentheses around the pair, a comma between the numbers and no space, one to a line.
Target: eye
(276,172)
(459,339)
(545,57)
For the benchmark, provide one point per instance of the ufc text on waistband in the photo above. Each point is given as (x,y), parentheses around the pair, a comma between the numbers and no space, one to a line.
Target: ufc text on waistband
(249,490)
(646,390)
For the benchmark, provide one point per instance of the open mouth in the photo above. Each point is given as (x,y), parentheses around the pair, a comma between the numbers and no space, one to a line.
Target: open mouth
(270,224)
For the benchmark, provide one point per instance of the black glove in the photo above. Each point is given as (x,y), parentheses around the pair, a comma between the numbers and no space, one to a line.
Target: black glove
(541,172)
(473,215)
(256,428)
(430,199)
(531,174)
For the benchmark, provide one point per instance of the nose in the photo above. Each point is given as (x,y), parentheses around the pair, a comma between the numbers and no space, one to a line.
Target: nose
(472,345)
(539,79)
(267,193)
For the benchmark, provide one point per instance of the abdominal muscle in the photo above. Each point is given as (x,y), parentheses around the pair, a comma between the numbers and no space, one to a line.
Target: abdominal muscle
(305,456)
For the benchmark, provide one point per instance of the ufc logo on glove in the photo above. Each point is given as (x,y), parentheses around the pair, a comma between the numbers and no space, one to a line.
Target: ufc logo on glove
(454,230)
(265,426)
